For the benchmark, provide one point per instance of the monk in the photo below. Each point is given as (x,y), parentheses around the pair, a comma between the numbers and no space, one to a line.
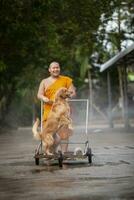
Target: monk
(47,90)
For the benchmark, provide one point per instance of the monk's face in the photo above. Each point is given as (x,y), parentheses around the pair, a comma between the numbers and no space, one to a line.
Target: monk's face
(54,70)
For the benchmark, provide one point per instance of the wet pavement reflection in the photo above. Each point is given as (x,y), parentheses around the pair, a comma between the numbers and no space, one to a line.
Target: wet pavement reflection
(110,176)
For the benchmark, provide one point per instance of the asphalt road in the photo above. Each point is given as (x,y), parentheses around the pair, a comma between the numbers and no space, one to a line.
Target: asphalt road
(109,177)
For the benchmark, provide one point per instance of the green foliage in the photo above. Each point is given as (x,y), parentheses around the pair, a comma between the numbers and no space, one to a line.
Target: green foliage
(34,33)
(2,66)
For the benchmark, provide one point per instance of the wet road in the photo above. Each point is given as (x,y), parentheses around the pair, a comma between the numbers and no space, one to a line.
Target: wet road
(110,177)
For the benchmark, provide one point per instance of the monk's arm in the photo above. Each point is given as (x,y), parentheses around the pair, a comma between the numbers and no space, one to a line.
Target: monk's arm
(40,93)
(72,89)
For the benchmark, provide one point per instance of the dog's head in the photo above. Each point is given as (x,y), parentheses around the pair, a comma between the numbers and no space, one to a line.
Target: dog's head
(62,93)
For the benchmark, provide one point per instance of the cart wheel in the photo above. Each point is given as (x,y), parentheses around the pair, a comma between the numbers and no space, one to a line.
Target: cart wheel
(89,155)
(60,159)
(36,161)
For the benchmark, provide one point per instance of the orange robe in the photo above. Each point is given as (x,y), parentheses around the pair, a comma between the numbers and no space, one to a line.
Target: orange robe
(62,81)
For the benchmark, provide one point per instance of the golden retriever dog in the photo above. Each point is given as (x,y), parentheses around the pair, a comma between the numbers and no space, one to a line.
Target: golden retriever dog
(59,116)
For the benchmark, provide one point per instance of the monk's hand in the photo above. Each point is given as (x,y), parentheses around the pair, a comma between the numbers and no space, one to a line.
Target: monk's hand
(47,100)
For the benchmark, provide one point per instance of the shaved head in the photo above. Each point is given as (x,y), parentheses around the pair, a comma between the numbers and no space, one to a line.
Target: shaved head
(54,64)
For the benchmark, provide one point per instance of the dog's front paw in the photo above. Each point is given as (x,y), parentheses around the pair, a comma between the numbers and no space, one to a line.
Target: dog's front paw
(70,127)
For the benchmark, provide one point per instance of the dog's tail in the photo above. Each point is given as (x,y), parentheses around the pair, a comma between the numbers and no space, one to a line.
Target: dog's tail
(36,133)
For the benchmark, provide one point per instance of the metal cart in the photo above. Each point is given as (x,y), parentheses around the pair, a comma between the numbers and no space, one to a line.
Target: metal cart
(69,155)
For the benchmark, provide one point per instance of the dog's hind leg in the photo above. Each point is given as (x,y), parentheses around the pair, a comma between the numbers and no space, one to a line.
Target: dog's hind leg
(57,141)
(47,149)
(49,142)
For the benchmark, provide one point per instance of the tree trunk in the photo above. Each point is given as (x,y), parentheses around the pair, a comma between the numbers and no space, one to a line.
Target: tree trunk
(90,96)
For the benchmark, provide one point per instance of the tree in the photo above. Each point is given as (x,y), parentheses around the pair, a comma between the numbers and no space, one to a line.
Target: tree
(34,33)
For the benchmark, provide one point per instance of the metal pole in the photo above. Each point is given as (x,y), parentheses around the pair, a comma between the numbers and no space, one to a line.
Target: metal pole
(41,117)
(41,113)
(78,99)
